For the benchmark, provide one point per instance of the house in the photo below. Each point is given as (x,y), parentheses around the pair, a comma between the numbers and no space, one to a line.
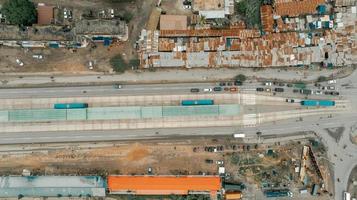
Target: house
(213,9)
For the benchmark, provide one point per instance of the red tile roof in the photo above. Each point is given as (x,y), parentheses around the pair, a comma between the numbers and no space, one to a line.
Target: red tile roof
(267,17)
(294,8)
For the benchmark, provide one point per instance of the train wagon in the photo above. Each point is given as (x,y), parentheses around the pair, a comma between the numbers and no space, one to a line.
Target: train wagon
(70,105)
(325,103)
(197,102)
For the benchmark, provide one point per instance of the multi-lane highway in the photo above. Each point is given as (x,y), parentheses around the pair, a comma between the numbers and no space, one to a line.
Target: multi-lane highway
(341,153)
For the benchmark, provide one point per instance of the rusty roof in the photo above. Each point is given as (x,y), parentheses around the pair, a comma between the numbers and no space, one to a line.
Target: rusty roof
(267,18)
(296,7)
(239,33)
(208,4)
(44,14)
(163,185)
(173,22)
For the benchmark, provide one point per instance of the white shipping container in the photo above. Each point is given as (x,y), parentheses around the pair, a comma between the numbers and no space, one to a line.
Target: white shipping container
(239,135)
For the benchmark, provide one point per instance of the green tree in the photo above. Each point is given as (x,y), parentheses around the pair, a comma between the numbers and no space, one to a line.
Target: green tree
(322,79)
(20,12)
(241,77)
(118,64)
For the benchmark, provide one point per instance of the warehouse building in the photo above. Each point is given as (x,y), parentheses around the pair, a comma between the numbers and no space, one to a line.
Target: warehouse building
(51,186)
(164,185)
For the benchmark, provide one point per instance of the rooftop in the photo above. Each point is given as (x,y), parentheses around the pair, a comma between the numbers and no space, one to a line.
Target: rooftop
(163,185)
(208,5)
(173,22)
(100,27)
(296,7)
(44,14)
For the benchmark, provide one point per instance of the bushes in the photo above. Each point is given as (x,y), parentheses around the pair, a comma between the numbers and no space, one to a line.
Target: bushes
(250,11)
(240,77)
(118,64)
(20,12)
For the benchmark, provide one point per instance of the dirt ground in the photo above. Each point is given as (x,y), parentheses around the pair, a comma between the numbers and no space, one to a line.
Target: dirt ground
(248,163)
(69,62)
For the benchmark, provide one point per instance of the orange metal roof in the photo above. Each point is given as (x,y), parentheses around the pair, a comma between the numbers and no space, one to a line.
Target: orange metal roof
(44,14)
(296,7)
(267,17)
(148,185)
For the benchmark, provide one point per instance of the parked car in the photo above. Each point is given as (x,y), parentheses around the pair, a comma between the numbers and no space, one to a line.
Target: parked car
(229,83)
(268,83)
(207,90)
(281,84)
(217,89)
(331,87)
(238,83)
(37,56)
(331,81)
(296,91)
(209,161)
(318,92)
(328,93)
(233,89)
(19,62)
(268,89)
(195,90)
(290,100)
(260,89)
(219,162)
(317,84)
(335,93)
(289,85)
(222,84)
(323,88)
(226,89)
(279,89)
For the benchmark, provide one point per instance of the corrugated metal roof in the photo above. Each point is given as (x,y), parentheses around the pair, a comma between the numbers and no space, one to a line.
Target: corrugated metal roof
(163,185)
(296,7)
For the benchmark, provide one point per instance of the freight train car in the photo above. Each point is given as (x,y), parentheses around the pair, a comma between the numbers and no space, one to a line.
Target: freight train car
(70,105)
(197,102)
(325,103)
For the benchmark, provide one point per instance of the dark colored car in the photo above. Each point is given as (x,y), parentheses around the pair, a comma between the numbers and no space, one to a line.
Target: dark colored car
(217,89)
(335,93)
(229,83)
(328,93)
(226,89)
(289,85)
(208,161)
(195,90)
(296,90)
(281,84)
(222,84)
(238,83)
(279,89)
(260,89)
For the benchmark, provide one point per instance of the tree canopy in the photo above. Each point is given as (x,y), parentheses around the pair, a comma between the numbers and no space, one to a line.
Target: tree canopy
(20,12)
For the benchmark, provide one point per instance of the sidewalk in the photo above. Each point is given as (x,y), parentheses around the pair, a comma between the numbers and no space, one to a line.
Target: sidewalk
(168,76)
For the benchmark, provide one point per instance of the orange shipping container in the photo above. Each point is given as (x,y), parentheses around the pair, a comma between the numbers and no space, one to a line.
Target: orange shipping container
(233,196)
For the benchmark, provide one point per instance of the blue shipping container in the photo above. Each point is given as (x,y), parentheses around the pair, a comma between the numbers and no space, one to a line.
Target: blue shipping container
(70,105)
(197,102)
(318,103)
(277,193)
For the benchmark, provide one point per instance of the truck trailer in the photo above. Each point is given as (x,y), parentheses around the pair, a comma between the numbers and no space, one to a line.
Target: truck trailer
(324,103)
(70,105)
(197,102)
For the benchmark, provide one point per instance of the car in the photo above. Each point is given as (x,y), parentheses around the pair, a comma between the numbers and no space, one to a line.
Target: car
(238,83)
(111,13)
(207,90)
(318,92)
(37,56)
(19,62)
(290,100)
(209,161)
(268,83)
(275,83)
(90,65)
(226,89)
(195,90)
(323,88)
(222,84)
(331,81)
(260,89)
(217,89)
(328,93)
(335,93)
(296,91)
(289,85)
(331,87)
(233,89)
(229,83)
(219,162)
(268,89)
(117,86)
(281,84)
(279,89)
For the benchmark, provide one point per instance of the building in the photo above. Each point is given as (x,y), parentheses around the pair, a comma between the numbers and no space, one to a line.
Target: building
(101,28)
(293,8)
(173,22)
(213,9)
(51,186)
(44,14)
(164,185)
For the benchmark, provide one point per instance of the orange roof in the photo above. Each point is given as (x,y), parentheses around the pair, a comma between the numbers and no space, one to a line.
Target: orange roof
(163,185)
(267,17)
(296,7)
(44,14)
